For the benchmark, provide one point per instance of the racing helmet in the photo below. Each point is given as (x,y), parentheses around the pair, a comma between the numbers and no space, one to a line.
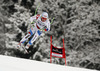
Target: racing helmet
(44,16)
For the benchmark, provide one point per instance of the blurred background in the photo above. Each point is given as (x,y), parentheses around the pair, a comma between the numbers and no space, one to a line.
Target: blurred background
(77,21)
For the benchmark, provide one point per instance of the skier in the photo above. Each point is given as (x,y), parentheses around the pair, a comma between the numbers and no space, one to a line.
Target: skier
(41,24)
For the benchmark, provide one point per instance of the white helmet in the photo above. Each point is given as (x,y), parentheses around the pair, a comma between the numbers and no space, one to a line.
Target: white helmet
(44,16)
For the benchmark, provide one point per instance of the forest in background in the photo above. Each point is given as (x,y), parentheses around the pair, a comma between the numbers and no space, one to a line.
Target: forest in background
(77,21)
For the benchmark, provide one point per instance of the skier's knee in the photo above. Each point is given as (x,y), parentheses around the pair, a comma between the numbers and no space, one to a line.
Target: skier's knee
(30,42)
(30,32)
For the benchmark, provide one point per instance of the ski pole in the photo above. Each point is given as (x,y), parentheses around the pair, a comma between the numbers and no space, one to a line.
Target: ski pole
(37,8)
(52,20)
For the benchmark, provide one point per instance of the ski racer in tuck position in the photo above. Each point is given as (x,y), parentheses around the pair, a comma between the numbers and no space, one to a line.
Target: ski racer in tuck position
(41,24)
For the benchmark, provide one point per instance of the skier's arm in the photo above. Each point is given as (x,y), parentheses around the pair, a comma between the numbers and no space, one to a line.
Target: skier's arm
(48,27)
(32,19)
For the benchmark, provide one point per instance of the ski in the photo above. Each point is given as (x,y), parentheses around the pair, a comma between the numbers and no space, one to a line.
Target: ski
(25,50)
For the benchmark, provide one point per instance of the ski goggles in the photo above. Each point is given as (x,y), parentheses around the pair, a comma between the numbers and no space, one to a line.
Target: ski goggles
(43,19)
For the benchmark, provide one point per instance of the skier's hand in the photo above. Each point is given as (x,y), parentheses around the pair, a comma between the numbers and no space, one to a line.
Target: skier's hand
(34,21)
(41,30)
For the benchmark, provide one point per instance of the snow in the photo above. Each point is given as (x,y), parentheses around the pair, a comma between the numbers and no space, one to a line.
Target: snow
(8,63)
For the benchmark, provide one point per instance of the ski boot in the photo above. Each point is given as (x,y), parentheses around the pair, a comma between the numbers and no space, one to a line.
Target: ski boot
(19,45)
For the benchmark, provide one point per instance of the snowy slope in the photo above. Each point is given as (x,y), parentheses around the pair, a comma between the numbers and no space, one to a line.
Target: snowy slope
(16,64)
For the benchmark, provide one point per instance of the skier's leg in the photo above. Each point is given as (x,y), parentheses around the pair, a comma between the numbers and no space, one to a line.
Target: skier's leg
(32,40)
(30,33)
